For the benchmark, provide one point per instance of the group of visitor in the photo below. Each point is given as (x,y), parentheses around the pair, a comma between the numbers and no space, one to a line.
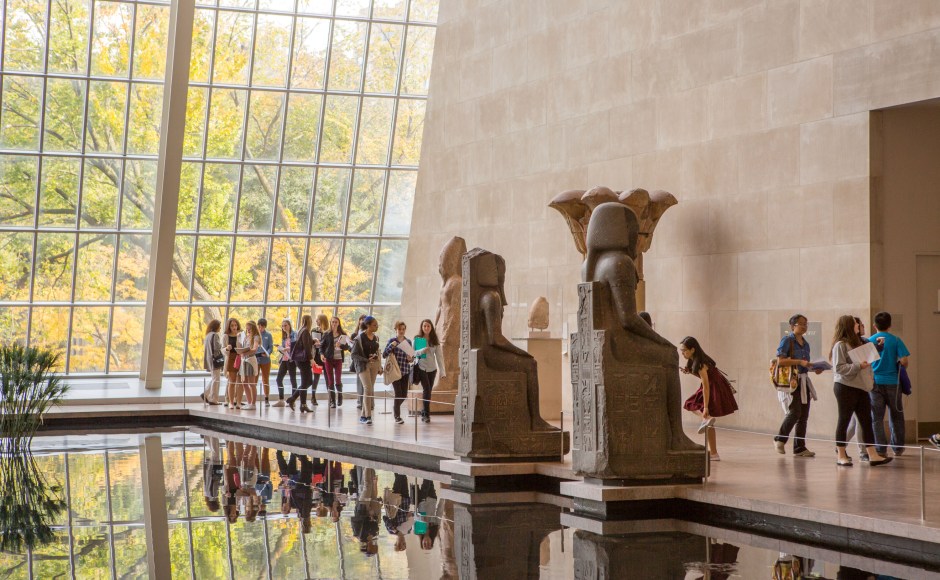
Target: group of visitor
(317,349)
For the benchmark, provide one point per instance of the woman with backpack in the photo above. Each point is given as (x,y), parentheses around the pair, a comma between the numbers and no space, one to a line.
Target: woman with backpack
(302,355)
(714,397)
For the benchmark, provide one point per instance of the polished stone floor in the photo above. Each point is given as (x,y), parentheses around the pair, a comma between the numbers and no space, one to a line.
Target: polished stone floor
(750,475)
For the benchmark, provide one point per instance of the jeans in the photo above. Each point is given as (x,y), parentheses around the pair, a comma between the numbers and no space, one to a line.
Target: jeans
(401,391)
(333,369)
(852,401)
(286,368)
(426,379)
(797,415)
(887,396)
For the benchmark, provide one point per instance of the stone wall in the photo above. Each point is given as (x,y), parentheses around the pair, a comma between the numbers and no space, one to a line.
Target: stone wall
(755,114)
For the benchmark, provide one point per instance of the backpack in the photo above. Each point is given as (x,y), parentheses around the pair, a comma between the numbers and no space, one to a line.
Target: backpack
(782,377)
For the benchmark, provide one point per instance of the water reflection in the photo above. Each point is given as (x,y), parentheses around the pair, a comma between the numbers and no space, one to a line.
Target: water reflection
(31,504)
(240,509)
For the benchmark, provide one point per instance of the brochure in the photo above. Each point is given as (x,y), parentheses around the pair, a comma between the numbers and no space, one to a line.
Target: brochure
(867,353)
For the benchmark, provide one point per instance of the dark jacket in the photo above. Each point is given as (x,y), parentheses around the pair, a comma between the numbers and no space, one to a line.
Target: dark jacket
(327,346)
(304,343)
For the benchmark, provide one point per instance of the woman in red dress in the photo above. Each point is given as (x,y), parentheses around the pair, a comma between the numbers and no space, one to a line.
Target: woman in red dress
(714,397)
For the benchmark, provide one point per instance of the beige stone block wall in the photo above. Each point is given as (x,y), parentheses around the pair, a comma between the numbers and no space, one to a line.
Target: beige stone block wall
(754,113)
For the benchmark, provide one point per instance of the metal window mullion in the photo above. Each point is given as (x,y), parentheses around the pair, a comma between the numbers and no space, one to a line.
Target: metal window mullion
(107,485)
(189,513)
(68,511)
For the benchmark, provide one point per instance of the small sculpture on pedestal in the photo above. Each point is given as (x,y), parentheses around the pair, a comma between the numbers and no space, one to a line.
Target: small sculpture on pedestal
(625,376)
(538,318)
(497,415)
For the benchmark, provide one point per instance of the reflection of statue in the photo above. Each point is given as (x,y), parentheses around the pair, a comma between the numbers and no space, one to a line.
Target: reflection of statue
(643,555)
(498,402)
(625,376)
(501,541)
(30,505)
(447,320)
(538,314)
(577,206)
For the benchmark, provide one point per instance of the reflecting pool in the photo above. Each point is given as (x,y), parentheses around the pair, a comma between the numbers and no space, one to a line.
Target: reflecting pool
(236,508)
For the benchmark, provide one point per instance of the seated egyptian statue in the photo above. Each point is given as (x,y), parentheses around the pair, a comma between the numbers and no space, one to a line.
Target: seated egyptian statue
(498,398)
(625,376)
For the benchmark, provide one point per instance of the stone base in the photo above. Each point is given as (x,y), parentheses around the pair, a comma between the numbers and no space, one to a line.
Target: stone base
(673,467)
(442,402)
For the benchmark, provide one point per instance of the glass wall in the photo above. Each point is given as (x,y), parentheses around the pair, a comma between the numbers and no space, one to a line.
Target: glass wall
(303,133)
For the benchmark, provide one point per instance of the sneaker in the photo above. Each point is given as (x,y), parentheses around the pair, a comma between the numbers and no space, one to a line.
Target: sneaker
(805,453)
(935,440)
(779,446)
(249,407)
(267,403)
(369,421)
(864,457)
(399,420)
(332,405)
(705,425)
(899,452)
(359,405)
(362,420)
(426,419)
(279,403)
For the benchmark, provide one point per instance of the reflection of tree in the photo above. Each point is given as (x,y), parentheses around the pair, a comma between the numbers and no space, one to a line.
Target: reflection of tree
(106,190)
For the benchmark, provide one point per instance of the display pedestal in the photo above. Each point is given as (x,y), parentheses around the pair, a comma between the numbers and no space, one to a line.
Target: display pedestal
(547,353)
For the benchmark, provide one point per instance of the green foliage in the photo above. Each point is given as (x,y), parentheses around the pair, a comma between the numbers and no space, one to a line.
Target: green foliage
(28,387)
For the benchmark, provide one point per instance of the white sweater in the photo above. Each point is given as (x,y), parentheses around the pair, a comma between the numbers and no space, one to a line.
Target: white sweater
(433,361)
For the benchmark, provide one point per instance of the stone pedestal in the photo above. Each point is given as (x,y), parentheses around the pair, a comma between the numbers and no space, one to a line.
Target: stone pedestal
(622,429)
(652,555)
(547,353)
(501,541)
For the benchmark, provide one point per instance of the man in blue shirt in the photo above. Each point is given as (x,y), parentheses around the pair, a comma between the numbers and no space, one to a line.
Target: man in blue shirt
(894,354)
(264,358)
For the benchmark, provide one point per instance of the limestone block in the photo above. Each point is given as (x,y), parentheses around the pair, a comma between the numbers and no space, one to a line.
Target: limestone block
(737,106)
(769,160)
(828,26)
(710,169)
(769,35)
(681,118)
(834,149)
(801,92)
(632,129)
(709,282)
(769,280)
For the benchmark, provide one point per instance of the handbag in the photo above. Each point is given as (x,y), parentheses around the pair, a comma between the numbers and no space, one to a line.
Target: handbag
(392,371)
(218,359)
(783,377)
(238,362)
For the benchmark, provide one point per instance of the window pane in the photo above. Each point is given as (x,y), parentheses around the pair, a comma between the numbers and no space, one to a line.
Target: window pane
(303,124)
(311,40)
(140,183)
(58,198)
(16,261)
(47,330)
(226,117)
(273,44)
(257,198)
(391,272)
(65,110)
(127,332)
(17,190)
(424,10)
(278,5)
(409,126)
(194,356)
(195,122)
(106,103)
(220,185)
(145,118)
(182,268)
(287,269)
(329,201)
(294,197)
(399,202)
(213,255)
(110,44)
(349,45)
(375,131)
(13,325)
(203,24)
(264,125)
(25,26)
(417,71)
(249,268)
(315,6)
(130,544)
(53,277)
(100,193)
(19,118)
(387,316)
(352,7)
(390,9)
(232,46)
(175,336)
(190,174)
(358,265)
(385,42)
(339,124)
(89,340)
(95,261)
(349,316)
(68,38)
(133,267)
(150,40)
(368,189)
(323,257)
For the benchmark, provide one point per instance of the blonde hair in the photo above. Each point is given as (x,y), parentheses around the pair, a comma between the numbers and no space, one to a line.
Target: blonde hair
(323,322)
(306,321)
(252,327)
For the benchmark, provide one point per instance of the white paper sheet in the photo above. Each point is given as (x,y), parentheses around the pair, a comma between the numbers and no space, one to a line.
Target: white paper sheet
(867,352)
(406,348)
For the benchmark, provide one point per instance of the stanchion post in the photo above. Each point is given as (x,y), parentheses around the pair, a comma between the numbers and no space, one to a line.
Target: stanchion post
(416,427)
(562,417)
(708,458)
(923,497)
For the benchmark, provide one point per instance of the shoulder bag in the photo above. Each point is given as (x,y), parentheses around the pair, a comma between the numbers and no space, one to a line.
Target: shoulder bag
(392,371)
(218,359)
(784,377)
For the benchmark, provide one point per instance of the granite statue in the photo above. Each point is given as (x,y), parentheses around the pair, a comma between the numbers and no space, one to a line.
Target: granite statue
(577,205)
(538,314)
(636,555)
(447,319)
(497,416)
(624,376)
(501,541)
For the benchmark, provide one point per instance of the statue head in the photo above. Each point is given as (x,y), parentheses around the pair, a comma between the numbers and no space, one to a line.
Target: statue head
(613,226)
(490,271)
(451,254)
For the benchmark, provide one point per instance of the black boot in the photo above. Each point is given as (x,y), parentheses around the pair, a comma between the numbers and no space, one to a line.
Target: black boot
(339,395)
